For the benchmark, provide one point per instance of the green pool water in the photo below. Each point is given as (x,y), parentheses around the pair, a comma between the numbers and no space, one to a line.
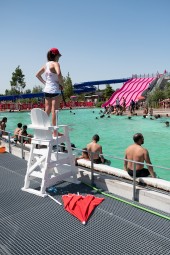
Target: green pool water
(115,134)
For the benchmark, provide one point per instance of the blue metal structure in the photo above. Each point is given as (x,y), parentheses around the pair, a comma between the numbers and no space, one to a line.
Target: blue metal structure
(92,83)
(21,96)
(89,86)
(78,88)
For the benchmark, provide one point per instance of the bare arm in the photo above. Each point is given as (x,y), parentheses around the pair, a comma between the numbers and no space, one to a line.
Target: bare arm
(39,75)
(101,152)
(125,162)
(88,150)
(148,161)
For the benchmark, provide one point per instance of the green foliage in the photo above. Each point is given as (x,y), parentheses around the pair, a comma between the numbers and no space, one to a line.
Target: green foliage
(108,91)
(99,104)
(27,91)
(37,89)
(159,94)
(11,92)
(167,90)
(17,80)
(68,87)
(81,97)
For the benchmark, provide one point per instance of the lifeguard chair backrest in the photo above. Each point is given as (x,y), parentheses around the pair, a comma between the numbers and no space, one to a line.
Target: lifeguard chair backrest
(41,124)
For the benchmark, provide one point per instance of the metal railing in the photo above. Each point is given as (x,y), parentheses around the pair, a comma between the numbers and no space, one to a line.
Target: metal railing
(19,144)
(158,83)
(134,197)
(145,75)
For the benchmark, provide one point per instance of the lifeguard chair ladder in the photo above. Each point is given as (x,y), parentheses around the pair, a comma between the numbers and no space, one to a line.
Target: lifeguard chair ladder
(46,164)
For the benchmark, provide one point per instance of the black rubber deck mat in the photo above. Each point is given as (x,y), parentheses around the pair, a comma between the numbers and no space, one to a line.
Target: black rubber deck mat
(31,225)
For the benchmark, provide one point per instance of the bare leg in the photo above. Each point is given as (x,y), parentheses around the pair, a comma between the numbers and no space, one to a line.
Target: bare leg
(48,105)
(55,106)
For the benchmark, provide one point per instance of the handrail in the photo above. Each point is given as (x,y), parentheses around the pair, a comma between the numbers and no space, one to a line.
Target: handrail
(145,75)
(132,161)
(92,162)
(2,138)
(159,81)
(134,197)
(104,155)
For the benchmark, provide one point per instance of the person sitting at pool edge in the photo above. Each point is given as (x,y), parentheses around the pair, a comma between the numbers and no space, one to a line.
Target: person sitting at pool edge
(137,153)
(84,155)
(26,137)
(16,132)
(3,126)
(96,149)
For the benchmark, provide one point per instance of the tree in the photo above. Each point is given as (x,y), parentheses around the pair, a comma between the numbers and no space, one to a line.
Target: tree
(37,89)
(68,87)
(81,97)
(27,91)
(12,91)
(155,96)
(108,91)
(17,81)
(158,94)
(167,90)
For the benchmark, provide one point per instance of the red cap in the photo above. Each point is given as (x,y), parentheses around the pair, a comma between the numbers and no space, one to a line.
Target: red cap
(55,51)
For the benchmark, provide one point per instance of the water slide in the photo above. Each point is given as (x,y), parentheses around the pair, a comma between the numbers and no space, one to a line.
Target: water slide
(131,89)
(89,86)
(143,84)
(112,99)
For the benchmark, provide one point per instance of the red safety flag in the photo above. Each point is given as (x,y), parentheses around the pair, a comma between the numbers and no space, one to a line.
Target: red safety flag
(81,206)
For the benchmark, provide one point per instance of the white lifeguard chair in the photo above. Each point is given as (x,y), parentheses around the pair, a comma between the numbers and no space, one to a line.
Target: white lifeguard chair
(45,163)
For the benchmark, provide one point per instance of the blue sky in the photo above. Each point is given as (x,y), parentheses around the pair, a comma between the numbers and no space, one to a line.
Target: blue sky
(98,39)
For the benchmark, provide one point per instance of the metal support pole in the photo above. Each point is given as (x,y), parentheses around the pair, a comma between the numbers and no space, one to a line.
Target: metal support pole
(22,149)
(9,140)
(92,169)
(134,182)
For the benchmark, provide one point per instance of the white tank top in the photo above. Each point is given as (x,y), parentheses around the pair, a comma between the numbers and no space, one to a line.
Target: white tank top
(52,84)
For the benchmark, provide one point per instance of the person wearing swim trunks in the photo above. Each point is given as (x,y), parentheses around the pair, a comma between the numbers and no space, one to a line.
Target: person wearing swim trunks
(136,152)
(53,83)
(16,132)
(96,149)
(23,133)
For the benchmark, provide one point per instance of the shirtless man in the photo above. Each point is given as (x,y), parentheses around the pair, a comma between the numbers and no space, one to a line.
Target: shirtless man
(96,149)
(137,153)
(16,132)
(26,136)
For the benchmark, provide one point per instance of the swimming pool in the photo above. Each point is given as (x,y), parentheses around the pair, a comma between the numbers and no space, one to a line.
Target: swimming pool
(115,133)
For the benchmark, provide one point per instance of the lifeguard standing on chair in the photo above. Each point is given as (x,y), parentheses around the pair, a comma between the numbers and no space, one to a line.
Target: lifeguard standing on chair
(53,83)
